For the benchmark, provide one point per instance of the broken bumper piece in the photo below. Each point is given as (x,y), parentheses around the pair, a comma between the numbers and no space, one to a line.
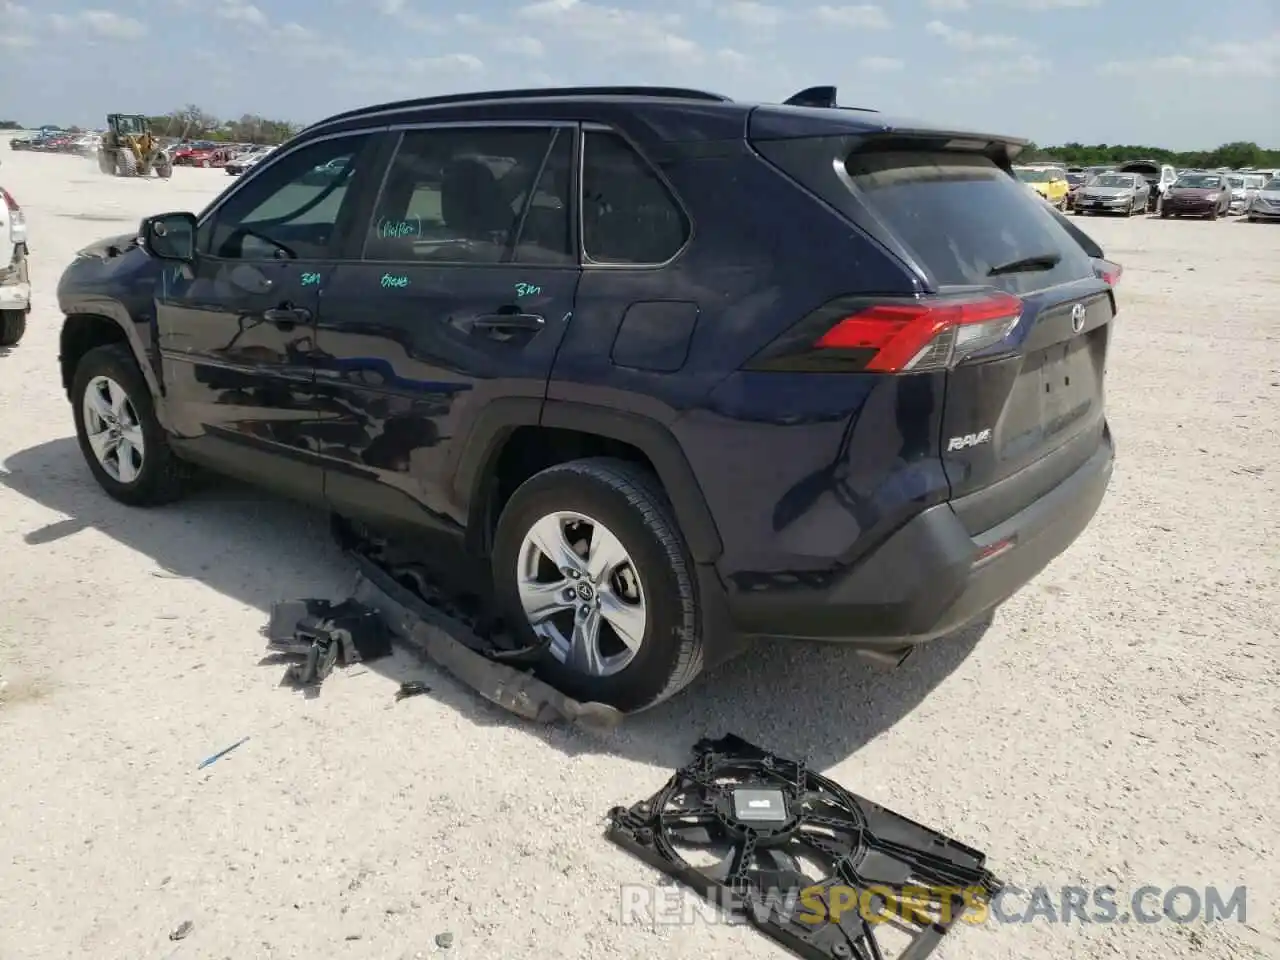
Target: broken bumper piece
(473,661)
(325,634)
(823,872)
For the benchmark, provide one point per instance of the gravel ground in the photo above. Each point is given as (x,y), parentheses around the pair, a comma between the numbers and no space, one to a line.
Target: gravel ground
(1114,724)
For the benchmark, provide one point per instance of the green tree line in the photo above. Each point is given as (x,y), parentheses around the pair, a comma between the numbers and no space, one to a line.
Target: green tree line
(1233,155)
(192,123)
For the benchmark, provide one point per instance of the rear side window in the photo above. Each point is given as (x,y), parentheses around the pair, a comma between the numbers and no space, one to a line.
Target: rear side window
(966,221)
(628,214)
(476,195)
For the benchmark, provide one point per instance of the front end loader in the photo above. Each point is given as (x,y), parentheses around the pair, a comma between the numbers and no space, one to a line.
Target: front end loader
(130,150)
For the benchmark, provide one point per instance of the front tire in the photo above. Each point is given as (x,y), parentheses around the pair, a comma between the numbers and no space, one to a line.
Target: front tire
(591,553)
(122,441)
(13,324)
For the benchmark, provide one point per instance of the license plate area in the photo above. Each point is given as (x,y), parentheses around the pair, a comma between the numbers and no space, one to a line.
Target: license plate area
(1057,388)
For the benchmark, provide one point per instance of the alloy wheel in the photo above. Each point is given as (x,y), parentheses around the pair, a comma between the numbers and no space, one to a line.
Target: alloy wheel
(113,429)
(581,592)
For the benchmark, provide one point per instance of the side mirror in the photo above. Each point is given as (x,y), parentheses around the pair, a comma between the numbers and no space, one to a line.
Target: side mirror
(170,236)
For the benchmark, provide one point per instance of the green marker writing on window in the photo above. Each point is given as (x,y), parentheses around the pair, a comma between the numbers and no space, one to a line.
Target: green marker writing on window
(391,280)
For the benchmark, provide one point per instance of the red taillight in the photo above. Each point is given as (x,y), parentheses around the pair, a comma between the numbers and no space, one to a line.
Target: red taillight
(1108,271)
(924,334)
(9,202)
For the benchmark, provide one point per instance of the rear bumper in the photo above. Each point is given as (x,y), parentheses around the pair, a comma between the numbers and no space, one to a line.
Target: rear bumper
(923,582)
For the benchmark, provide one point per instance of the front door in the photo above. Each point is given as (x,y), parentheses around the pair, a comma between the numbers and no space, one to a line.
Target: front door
(463,294)
(237,328)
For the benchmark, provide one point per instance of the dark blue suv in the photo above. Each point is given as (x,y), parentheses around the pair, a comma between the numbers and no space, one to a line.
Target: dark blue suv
(674,370)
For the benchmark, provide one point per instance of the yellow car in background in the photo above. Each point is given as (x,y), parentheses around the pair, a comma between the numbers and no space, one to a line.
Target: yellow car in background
(1050,182)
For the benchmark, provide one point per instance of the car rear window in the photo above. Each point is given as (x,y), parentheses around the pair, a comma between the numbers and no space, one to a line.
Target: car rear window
(961,216)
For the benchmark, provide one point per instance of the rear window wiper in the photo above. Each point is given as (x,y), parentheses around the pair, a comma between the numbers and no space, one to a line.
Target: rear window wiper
(1042,261)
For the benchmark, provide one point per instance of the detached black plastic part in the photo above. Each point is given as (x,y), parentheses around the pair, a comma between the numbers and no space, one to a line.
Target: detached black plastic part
(769,816)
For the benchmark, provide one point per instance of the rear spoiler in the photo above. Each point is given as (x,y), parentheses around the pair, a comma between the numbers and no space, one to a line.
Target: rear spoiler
(766,124)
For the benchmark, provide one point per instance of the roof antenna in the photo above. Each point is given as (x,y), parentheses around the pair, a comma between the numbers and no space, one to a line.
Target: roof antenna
(814,97)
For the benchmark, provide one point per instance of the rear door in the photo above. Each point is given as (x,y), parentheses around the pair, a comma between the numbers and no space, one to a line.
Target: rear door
(1024,414)
(461,294)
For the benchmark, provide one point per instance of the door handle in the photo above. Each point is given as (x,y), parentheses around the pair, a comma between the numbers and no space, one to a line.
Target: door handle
(508,322)
(286,317)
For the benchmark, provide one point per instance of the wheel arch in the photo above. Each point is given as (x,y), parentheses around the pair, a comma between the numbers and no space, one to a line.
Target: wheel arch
(557,431)
(82,332)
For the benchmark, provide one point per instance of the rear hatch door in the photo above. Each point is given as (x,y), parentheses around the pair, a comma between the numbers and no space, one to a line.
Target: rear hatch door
(1024,414)
(1020,415)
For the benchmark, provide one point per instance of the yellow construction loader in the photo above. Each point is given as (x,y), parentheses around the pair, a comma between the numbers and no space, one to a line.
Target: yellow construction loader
(129,149)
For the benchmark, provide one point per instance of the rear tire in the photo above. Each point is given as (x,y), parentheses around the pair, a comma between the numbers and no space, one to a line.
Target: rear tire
(155,474)
(13,324)
(655,580)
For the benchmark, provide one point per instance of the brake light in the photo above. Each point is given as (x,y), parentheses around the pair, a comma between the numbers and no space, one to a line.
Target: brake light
(926,335)
(17,220)
(1108,271)
(894,336)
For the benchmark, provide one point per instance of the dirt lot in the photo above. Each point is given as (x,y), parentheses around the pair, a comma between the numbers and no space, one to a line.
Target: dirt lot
(1115,724)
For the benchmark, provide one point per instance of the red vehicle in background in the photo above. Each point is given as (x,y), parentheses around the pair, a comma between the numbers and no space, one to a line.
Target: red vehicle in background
(201,155)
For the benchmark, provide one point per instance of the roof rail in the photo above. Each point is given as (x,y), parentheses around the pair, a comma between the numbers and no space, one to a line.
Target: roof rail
(533,93)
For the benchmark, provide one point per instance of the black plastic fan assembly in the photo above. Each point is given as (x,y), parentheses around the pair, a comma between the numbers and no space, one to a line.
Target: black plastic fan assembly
(825,873)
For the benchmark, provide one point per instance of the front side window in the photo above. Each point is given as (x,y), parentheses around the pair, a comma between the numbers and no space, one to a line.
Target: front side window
(628,214)
(290,210)
(476,195)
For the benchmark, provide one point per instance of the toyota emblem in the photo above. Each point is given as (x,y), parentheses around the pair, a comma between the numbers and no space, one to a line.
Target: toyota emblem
(1077,318)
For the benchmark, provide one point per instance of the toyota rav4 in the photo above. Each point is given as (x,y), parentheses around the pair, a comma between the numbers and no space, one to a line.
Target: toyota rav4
(675,370)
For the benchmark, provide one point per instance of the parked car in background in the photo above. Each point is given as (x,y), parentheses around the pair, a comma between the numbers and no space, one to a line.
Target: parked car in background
(1265,204)
(215,156)
(1205,195)
(15,280)
(87,145)
(1126,193)
(1049,182)
(1240,193)
(1075,180)
(1159,176)
(247,161)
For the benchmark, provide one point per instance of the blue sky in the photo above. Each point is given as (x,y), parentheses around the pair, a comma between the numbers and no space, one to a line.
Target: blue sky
(1181,75)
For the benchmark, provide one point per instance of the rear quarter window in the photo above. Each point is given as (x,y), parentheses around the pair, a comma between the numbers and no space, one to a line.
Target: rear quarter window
(960,216)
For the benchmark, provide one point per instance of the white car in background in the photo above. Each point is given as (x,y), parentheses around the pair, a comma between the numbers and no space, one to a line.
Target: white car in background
(1266,202)
(1240,192)
(15,282)
(247,160)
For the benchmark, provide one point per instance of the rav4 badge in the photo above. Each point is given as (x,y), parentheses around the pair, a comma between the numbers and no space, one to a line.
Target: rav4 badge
(969,440)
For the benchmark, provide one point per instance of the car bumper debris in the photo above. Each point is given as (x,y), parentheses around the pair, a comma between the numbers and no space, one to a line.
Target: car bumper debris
(325,634)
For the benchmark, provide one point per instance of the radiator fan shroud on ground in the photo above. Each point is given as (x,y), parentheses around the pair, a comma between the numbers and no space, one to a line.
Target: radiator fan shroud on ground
(822,871)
